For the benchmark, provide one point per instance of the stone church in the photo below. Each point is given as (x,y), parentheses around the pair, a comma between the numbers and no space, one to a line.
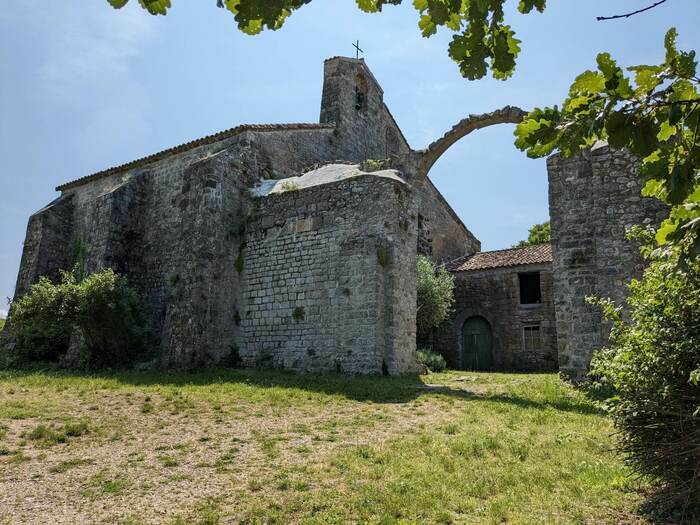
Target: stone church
(294,245)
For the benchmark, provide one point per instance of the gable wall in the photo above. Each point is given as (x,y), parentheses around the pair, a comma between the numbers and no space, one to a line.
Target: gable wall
(441,234)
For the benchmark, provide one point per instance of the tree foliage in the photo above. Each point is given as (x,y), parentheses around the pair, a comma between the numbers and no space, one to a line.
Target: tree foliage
(435,294)
(652,367)
(39,322)
(481,41)
(538,234)
(102,308)
(655,115)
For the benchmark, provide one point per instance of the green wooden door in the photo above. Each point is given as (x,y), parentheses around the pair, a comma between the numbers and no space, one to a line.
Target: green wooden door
(476,344)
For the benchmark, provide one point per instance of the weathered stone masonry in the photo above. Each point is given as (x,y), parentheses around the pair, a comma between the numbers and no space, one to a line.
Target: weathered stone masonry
(45,244)
(294,279)
(327,272)
(487,286)
(182,222)
(593,198)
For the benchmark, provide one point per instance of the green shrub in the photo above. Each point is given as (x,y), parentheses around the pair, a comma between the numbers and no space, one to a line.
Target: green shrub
(46,436)
(371,165)
(109,315)
(40,322)
(233,358)
(102,308)
(289,186)
(652,367)
(435,295)
(432,360)
(76,428)
(264,358)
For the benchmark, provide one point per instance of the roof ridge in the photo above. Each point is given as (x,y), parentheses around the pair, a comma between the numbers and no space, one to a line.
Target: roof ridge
(515,248)
(207,139)
(524,255)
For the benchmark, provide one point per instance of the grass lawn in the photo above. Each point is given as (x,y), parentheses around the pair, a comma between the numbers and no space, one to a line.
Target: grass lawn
(270,447)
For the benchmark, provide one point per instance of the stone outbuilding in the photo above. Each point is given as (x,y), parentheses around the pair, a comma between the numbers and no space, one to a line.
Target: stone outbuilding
(503,316)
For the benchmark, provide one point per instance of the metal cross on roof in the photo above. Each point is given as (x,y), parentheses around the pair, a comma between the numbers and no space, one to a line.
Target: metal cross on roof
(357,49)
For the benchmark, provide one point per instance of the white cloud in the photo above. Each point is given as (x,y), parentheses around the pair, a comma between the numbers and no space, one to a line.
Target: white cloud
(85,69)
(3,314)
(92,46)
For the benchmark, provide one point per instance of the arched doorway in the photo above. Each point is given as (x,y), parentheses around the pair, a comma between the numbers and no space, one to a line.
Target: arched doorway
(477,342)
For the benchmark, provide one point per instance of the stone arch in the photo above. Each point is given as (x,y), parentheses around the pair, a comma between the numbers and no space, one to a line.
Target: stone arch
(427,157)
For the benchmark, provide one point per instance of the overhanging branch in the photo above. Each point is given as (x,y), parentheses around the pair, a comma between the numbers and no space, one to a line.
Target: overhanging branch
(627,15)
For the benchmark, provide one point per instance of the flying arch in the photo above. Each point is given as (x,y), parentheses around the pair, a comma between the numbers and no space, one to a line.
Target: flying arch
(428,156)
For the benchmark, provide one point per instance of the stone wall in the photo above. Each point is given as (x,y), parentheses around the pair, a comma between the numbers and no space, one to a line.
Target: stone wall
(174,228)
(329,279)
(593,198)
(494,295)
(285,153)
(47,245)
(441,233)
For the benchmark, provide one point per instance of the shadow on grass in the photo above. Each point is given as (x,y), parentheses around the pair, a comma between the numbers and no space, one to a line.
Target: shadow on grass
(374,389)
(663,506)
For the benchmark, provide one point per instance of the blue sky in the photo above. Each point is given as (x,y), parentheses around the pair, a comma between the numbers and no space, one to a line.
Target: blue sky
(86,87)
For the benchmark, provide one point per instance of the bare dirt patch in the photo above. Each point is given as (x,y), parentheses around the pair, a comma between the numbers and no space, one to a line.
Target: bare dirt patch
(257,447)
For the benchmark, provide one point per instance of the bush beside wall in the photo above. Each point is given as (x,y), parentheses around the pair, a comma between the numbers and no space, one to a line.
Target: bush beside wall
(102,310)
(651,374)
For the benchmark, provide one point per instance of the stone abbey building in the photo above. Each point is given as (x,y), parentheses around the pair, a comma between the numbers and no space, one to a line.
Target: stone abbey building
(294,245)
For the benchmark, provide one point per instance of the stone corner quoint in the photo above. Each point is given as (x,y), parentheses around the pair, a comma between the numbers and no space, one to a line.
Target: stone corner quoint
(294,245)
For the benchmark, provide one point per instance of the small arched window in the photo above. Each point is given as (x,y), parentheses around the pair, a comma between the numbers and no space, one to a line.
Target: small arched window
(360,92)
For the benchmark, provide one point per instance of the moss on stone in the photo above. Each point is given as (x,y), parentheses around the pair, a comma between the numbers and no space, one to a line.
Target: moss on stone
(383,256)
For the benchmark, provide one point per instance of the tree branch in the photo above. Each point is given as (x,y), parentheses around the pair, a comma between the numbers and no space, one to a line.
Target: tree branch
(627,15)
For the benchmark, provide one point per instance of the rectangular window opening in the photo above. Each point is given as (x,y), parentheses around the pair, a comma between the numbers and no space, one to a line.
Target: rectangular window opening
(531,338)
(530,292)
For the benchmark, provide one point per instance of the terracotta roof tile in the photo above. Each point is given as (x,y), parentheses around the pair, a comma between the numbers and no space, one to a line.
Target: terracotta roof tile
(537,254)
(209,139)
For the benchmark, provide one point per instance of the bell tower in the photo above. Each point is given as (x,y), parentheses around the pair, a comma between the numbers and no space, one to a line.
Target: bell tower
(354,101)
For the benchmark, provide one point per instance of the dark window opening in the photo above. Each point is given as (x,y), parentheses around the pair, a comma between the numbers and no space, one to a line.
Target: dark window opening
(360,93)
(531,338)
(359,99)
(530,292)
